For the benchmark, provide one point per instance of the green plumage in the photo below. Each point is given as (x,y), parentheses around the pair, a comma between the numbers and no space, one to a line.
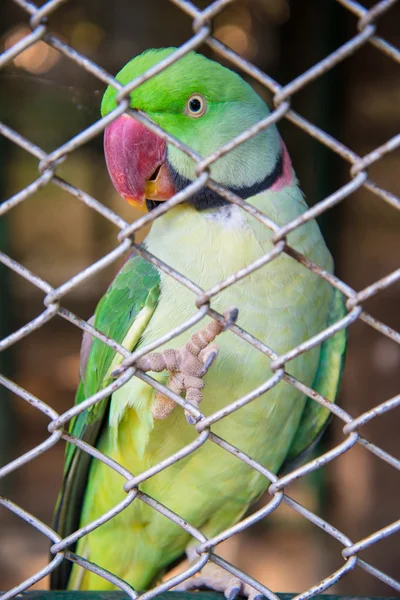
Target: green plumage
(283,304)
(326,382)
(135,289)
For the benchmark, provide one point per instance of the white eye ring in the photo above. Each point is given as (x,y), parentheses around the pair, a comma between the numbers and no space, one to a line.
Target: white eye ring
(196,106)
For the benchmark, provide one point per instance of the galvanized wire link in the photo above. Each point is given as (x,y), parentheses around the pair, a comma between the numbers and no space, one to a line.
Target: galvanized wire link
(365,32)
(107,575)
(45,530)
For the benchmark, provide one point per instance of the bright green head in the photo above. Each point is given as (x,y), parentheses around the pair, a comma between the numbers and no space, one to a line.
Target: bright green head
(205,105)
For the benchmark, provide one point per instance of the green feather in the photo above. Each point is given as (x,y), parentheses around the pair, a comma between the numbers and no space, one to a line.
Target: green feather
(130,300)
(327,383)
(136,287)
(230,100)
(191,74)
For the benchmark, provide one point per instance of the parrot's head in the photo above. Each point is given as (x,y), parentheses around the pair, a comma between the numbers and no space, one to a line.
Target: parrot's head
(202,104)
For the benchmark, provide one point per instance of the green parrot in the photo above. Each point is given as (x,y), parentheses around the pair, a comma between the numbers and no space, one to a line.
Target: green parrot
(205,105)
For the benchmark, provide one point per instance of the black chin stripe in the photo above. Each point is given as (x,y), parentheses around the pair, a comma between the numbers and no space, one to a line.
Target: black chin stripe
(150,204)
(207,198)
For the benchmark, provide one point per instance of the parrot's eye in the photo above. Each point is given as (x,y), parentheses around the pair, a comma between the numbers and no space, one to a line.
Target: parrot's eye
(196,106)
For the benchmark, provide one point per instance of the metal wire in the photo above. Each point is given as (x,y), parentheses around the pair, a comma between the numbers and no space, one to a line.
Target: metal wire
(53,298)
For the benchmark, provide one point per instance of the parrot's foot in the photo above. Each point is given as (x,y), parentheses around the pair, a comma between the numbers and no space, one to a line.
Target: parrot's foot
(215,578)
(187,366)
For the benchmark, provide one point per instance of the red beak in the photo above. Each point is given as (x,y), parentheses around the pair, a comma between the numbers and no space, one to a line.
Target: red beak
(136,162)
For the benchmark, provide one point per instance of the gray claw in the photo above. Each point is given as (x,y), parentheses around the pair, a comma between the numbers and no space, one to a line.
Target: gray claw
(190,419)
(117,372)
(210,359)
(233,593)
(233,315)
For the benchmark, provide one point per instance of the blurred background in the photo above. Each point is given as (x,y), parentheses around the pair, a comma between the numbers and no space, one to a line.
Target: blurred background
(49,99)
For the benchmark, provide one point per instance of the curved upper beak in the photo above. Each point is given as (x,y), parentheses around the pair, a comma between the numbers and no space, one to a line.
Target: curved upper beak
(136,162)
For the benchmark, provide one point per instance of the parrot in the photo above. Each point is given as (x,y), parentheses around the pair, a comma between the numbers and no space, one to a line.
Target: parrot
(204,105)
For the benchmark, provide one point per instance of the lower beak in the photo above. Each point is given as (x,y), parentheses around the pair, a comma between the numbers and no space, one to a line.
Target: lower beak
(160,186)
(136,162)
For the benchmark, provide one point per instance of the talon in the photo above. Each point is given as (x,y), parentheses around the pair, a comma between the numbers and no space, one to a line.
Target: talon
(230,317)
(232,593)
(186,366)
(215,578)
(190,419)
(209,361)
(117,371)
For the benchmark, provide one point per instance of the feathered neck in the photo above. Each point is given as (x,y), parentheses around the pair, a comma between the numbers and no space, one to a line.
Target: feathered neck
(206,198)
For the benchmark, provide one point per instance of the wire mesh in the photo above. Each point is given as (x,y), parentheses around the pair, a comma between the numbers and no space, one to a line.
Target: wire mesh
(358,177)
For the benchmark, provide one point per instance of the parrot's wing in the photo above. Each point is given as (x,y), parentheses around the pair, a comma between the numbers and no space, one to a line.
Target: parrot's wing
(315,418)
(122,314)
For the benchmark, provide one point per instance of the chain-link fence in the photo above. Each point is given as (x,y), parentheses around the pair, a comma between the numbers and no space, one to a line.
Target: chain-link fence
(358,177)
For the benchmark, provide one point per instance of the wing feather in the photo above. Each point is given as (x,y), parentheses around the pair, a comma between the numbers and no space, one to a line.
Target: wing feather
(315,417)
(122,314)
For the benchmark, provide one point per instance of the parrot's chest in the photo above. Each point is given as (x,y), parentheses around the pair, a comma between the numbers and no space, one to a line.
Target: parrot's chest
(274,306)
(282,304)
